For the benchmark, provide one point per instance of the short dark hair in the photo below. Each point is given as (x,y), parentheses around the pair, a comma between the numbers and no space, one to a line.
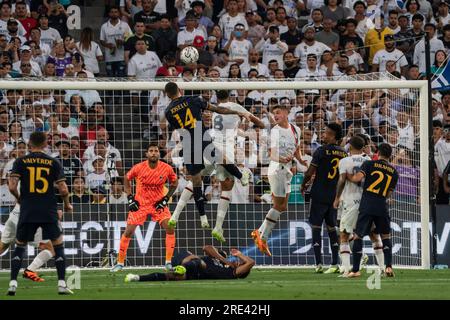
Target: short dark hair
(430,25)
(38,139)
(337,129)
(437,123)
(385,150)
(357,142)
(366,138)
(171,89)
(417,16)
(153,144)
(274,28)
(116,179)
(222,94)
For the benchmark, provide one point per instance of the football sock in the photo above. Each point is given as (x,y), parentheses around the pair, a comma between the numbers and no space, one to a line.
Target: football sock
(387,250)
(153,277)
(222,208)
(60,261)
(379,254)
(334,244)
(124,243)
(345,256)
(269,223)
(16,260)
(199,200)
(317,244)
(40,260)
(357,254)
(184,198)
(170,246)
(233,170)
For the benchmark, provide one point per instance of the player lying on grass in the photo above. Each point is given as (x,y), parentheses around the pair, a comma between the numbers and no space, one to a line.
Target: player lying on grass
(212,266)
(185,112)
(150,176)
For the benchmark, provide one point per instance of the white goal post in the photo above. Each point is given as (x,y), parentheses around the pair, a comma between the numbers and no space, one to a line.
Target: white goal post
(420,86)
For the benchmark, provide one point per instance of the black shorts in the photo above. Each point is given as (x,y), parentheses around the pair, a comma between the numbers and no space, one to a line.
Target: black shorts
(27,230)
(365,223)
(318,212)
(178,257)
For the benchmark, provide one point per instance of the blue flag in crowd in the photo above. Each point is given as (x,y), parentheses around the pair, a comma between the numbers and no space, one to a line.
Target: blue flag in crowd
(400,4)
(443,80)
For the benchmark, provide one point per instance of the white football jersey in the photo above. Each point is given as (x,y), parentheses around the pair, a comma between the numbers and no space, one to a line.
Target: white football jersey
(226,125)
(285,141)
(350,164)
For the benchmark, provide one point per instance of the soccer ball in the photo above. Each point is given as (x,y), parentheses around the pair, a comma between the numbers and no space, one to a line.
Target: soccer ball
(189,55)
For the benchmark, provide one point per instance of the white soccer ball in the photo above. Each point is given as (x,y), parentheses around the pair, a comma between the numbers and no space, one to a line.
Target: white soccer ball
(189,55)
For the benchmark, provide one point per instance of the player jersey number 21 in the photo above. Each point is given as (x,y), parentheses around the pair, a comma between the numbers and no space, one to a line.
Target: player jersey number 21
(189,120)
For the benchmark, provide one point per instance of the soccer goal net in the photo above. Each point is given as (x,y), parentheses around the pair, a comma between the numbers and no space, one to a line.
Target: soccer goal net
(101,128)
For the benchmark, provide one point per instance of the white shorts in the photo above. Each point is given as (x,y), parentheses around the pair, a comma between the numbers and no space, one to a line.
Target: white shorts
(222,174)
(225,152)
(348,212)
(280,181)
(9,232)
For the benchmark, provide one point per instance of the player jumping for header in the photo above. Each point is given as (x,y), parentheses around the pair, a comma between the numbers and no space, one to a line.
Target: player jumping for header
(284,147)
(184,112)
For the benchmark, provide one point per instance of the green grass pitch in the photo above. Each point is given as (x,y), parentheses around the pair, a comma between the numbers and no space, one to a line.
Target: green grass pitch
(261,284)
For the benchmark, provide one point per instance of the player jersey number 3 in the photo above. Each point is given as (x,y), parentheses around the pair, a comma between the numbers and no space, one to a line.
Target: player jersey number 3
(189,120)
(36,174)
(334,168)
(375,186)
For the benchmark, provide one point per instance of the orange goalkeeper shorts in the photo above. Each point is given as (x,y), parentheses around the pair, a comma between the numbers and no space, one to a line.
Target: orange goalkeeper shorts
(140,216)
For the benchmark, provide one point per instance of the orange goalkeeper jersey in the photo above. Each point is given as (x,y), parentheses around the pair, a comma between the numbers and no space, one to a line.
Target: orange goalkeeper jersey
(150,182)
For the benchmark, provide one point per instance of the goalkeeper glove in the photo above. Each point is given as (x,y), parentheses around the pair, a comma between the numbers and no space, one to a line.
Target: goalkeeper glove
(162,203)
(133,204)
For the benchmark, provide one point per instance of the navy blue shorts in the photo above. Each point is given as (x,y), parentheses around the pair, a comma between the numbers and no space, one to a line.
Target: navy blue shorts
(318,212)
(178,257)
(365,221)
(27,230)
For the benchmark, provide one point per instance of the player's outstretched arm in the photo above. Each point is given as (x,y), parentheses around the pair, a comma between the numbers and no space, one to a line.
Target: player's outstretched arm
(257,121)
(248,263)
(222,110)
(13,182)
(64,193)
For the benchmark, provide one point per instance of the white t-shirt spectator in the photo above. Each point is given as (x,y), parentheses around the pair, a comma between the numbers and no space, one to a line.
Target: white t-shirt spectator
(144,66)
(227,23)
(383,56)
(239,49)
(355,60)
(272,51)
(35,68)
(90,56)
(311,75)
(49,36)
(123,199)
(302,50)
(267,95)
(6,197)
(261,68)
(110,33)
(419,52)
(90,154)
(4,28)
(406,136)
(441,155)
(187,38)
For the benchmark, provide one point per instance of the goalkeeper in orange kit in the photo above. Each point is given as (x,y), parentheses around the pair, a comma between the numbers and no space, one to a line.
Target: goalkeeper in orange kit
(150,176)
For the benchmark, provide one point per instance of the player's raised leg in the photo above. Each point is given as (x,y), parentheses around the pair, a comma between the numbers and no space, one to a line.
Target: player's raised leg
(227,184)
(46,253)
(186,195)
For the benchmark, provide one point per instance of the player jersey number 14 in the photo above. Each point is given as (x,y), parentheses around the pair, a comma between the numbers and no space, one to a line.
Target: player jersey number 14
(189,120)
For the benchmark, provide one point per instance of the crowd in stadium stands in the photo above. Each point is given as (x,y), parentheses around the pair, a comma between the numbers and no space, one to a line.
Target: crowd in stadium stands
(238,39)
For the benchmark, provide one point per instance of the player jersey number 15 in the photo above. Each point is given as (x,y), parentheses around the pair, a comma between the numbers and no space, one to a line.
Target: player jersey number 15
(189,120)
(35,176)
(334,168)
